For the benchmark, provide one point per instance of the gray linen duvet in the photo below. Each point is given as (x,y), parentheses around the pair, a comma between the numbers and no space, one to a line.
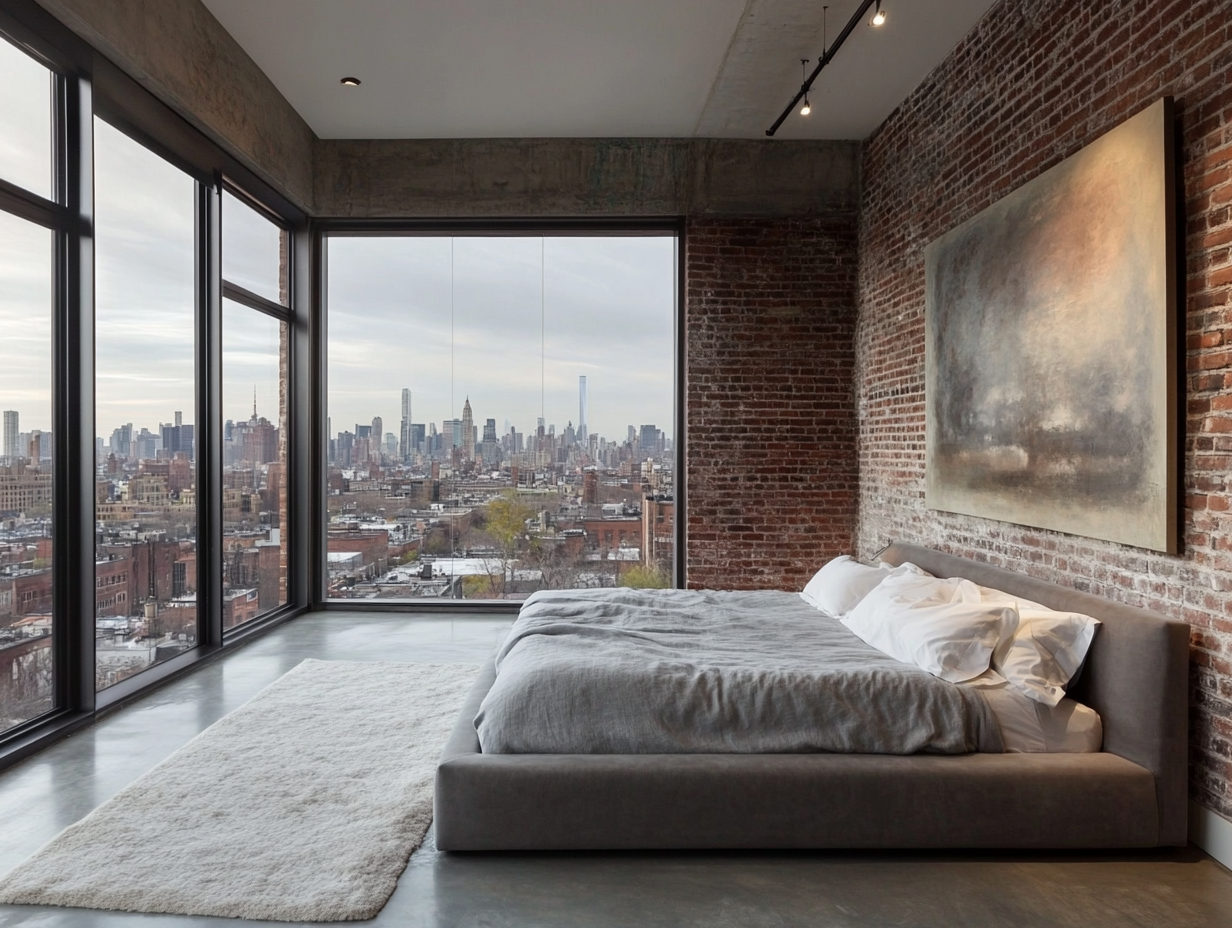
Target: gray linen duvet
(619,671)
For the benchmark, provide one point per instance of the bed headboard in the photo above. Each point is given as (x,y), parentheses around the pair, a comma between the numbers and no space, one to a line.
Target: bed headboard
(1136,675)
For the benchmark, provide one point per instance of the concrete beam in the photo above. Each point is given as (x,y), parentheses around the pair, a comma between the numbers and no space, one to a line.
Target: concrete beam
(179,52)
(437,178)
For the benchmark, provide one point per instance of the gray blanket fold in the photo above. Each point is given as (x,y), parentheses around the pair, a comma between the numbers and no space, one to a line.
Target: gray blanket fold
(619,671)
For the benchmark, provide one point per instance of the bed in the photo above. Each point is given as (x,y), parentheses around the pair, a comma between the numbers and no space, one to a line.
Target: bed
(1132,793)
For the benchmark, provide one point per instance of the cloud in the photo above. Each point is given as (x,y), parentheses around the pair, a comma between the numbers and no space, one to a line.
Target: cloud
(512,327)
(145,330)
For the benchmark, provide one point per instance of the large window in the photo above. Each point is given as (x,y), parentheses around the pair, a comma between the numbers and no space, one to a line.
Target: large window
(27,372)
(255,356)
(145,574)
(147,329)
(501,414)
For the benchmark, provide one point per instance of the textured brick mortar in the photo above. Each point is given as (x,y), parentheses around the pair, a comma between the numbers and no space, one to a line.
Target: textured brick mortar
(1033,83)
(770,447)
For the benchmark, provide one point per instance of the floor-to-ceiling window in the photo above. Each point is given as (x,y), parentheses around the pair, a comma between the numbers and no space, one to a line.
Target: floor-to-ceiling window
(255,358)
(145,574)
(27,373)
(147,327)
(501,414)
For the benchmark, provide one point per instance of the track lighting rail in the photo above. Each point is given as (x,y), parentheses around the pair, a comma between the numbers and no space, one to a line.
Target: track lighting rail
(824,60)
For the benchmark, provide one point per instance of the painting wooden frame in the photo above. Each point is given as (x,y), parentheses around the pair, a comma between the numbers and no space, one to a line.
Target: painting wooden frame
(1050,357)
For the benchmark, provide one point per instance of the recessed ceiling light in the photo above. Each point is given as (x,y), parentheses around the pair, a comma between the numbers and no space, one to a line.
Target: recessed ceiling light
(350,82)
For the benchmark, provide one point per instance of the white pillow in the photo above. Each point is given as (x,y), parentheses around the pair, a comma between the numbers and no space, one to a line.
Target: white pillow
(844,581)
(941,626)
(1046,650)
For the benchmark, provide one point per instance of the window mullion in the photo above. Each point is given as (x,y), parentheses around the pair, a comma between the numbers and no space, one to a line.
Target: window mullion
(208,448)
(73,566)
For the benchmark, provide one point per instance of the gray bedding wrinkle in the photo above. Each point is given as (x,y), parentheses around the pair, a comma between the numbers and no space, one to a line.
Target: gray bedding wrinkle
(620,671)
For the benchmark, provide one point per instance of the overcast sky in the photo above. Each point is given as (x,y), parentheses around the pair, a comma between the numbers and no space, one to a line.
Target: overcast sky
(25,249)
(144,333)
(508,321)
(511,326)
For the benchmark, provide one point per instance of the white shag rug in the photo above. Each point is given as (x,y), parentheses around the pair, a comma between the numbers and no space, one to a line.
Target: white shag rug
(302,805)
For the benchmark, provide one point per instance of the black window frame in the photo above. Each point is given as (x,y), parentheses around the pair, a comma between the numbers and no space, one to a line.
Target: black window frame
(88,85)
(323,229)
(284,315)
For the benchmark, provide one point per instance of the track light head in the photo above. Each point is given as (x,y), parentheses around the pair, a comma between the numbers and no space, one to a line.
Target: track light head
(879,17)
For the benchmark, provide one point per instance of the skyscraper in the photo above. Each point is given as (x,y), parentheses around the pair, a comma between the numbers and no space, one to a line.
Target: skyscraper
(489,449)
(451,434)
(581,429)
(11,441)
(468,432)
(175,438)
(406,445)
(649,440)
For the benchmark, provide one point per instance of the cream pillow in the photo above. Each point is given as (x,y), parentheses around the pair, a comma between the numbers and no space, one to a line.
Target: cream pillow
(840,585)
(941,626)
(1046,650)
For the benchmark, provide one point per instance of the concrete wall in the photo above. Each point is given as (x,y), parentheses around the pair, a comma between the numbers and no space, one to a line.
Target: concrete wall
(582,177)
(178,51)
(1036,81)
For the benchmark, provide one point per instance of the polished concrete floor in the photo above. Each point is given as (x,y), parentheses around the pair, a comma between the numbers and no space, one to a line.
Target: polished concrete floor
(1176,889)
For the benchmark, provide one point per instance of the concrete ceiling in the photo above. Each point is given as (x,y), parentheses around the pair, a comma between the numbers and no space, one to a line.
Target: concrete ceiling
(588,68)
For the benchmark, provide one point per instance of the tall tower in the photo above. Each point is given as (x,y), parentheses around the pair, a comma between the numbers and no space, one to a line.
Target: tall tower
(377,437)
(581,429)
(468,432)
(10,435)
(404,437)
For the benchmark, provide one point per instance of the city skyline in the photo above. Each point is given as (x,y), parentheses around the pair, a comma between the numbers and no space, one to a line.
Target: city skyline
(392,426)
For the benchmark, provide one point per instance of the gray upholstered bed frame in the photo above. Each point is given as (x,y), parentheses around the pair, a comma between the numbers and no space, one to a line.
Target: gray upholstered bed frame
(1133,794)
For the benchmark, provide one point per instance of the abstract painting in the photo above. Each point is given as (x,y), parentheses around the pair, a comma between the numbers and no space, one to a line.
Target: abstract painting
(1051,347)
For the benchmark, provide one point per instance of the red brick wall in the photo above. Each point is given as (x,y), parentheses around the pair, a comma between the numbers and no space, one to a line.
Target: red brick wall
(770,453)
(1033,83)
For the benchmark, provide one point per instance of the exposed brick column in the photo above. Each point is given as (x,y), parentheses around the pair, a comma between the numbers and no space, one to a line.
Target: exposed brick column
(770,444)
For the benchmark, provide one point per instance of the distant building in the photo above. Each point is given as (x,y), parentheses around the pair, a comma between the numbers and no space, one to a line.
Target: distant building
(582,410)
(406,441)
(23,488)
(658,530)
(451,435)
(176,438)
(260,444)
(490,448)
(649,439)
(468,432)
(12,444)
(122,441)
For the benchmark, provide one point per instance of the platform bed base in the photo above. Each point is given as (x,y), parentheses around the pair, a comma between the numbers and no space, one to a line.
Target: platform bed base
(1132,795)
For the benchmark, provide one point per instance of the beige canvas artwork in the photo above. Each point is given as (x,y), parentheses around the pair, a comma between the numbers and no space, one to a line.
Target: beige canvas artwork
(1050,358)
